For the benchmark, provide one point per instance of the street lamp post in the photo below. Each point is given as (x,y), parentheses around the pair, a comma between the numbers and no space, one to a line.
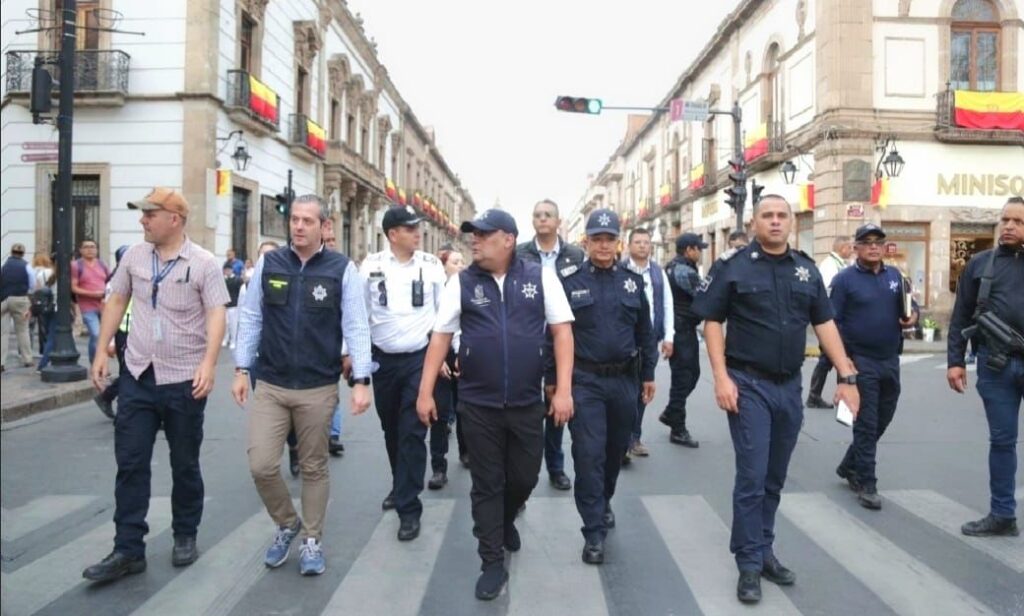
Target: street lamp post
(64,366)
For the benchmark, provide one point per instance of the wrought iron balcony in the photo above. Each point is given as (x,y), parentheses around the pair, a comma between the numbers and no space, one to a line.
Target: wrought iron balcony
(251,103)
(306,136)
(947,130)
(98,72)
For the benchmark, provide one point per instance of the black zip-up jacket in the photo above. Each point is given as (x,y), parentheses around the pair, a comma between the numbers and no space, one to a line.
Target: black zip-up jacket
(1006,299)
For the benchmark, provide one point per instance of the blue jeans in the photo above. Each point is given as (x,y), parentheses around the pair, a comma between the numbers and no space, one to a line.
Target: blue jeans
(1002,393)
(92,323)
(336,421)
(49,323)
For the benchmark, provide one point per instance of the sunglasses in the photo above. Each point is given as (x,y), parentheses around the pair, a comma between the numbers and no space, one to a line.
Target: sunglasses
(871,243)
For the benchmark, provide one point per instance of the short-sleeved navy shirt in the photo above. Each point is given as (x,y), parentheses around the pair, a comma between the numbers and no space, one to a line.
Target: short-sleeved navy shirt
(768,301)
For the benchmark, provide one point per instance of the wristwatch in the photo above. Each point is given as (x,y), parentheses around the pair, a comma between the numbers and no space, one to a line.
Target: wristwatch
(850,379)
(239,370)
(363,381)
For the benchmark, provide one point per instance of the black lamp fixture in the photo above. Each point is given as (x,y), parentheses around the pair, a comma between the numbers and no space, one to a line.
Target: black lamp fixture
(241,156)
(789,169)
(663,230)
(889,158)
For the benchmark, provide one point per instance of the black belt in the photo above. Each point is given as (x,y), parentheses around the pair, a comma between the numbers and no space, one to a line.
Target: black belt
(379,351)
(754,371)
(606,369)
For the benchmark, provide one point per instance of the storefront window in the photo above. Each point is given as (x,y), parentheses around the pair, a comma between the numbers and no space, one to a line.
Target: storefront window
(907,249)
(805,232)
(967,240)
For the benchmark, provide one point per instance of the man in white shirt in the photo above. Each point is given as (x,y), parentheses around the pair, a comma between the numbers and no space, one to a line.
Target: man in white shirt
(839,258)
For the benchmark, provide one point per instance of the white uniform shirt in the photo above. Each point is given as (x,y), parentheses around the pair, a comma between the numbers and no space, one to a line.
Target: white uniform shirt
(397,326)
(549,259)
(829,267)
(669,306)
(556,306)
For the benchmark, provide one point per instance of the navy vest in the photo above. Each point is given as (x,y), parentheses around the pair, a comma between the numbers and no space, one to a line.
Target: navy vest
(300,342)
(658,285)
(684,282)
(14,280)
(502,350)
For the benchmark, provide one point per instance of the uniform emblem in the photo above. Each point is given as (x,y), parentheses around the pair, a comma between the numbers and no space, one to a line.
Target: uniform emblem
(529,290)
(603,219)
(803,274)
(630,285)
(479,299)
(568,271)
(409,209)
(754,255)
(319,293)
(894,286)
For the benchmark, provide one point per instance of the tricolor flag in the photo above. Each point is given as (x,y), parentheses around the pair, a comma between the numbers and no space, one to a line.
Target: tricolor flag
(697,177)
(223,182)
(316,138)
(262,100)
(389,190)
(806,197)
(989,110)
(665,194)
(756,144)
(880,193)
(401,196)
(417,200)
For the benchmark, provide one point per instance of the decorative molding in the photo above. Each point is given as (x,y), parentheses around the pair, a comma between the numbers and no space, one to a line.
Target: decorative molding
(326,15)
(396,141)
(974,214)
(354,87)
(904,8)
(747,64)
(368,104)
(801,17)
(255,8)
(383,125)
(338,73)
(307,43)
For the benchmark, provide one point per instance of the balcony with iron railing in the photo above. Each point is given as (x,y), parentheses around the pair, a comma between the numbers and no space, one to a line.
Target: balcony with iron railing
(101,75)
(306,138)
(252,104)
(948,129)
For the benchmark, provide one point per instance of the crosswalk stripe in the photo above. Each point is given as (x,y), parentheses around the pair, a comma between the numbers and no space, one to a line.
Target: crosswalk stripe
(970,367)
(699,543)
(16,523)
(907,585)
(547,574)
(909,359)
(40,582)
(391,576)
(949,515)
(215,582)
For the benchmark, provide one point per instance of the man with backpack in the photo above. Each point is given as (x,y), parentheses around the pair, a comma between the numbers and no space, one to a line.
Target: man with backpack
(89,276)
(16,282)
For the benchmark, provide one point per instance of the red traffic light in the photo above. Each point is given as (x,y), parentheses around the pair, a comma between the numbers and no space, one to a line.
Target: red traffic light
(576,104)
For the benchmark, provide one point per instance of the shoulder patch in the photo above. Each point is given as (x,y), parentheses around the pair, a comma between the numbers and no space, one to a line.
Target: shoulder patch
(728,254)
(374,256)
(803,254)
(565,272)
(429,258)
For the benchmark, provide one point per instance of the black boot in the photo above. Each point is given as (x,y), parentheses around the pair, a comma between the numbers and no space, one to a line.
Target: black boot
(114,566)
(991,526)
(814,399)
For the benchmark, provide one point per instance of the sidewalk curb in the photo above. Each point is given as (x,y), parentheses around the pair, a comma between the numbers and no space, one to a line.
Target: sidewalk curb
(47,402)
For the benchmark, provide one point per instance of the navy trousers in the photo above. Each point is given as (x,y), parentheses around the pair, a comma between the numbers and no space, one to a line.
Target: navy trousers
(878,383)
(764,433)
(395,388)
(441,429)
(601,427)
(144,406)
(685,365)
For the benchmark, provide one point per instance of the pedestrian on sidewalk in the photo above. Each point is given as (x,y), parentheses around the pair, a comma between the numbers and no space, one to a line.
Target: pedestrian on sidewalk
(17,280)
(178,297)
(768,293)
(990,291)
(89,277)
(303,301)
(867,299)
(235,284)
(835,262)
(503,306)
(662,314)
(548,249)
(43,297)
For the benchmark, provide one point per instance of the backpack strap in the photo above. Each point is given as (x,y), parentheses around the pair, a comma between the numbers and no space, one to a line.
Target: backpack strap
(986,285)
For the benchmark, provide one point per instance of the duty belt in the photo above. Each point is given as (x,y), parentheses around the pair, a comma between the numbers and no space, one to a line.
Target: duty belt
(607,369)
(754,371)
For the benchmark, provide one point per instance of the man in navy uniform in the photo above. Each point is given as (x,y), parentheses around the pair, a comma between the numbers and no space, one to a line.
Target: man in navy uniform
(684,281)
(868,302)
(551,252)
(768,293)
(504,307)
(403,285)
(614,343)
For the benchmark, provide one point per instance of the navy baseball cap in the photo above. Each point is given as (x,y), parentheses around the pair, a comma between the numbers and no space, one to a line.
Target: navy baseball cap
(603,221)
(491,220)
(686,240)
(398,216)
(869,229)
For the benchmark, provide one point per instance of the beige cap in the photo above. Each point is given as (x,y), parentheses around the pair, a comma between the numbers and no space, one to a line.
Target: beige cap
(162,198)
(18,249)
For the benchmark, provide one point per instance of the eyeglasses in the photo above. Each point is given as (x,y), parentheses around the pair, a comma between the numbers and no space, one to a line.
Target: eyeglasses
(543,215)
(871,243)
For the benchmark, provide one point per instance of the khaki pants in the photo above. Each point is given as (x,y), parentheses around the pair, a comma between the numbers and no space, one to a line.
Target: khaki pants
(17,307)
(272,412)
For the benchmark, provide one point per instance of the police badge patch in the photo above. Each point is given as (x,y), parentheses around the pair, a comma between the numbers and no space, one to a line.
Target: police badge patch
(630,285)
(319,293)
(704,284)
(529,290)
(803,274)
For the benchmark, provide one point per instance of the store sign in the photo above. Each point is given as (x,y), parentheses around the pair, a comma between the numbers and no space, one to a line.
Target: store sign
(855,210)
(709,209)
(890,248)
(986,184)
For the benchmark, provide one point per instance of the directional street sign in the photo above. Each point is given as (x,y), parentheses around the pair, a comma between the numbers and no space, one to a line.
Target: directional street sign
(688,111)
(38,157)
(39,145)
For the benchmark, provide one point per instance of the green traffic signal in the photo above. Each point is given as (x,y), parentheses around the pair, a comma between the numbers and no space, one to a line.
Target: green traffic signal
(576,104)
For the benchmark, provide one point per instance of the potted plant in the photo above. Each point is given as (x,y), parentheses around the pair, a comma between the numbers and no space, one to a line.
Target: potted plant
(928,328)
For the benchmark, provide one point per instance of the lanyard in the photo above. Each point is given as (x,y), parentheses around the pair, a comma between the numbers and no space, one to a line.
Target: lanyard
(159,276)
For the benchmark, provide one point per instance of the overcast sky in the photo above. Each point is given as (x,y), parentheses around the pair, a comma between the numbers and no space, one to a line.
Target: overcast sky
(485,75)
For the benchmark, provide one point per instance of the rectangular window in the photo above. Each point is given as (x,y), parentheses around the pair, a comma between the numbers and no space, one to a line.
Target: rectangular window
(364,143)
(85,208)
(350,131)
(301,84)
(245,43)
(240,222)
(335,119)
(987,62)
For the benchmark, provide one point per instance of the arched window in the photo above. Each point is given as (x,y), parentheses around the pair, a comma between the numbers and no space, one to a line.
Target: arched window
(771,92)
(974,46)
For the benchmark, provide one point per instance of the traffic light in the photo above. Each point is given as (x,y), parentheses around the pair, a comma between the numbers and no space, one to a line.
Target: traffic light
(576,104)
(737,193)
(284,201)
(755,191)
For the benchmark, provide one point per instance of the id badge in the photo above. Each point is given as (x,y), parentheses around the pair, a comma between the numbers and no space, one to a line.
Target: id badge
(158,330)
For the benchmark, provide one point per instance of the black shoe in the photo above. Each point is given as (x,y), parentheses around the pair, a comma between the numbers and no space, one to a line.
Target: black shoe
(388,503)
(560,481)
(106,406)
(991,526)
(868,498)
(776,572)
(849,476)
(409,529)
(609,517)
(663,418)
(438,480)
(626,459)
(682,437)
(464,459)
(512,541)
(114,566)
(184,552)
(491,581)
(293,461)
(335,447)
(593,552)
(817,402)
(748,588)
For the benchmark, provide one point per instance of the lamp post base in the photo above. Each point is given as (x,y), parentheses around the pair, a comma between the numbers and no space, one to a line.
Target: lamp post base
(63,374)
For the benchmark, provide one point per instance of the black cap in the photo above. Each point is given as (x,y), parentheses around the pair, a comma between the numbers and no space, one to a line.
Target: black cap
(686,240)
(398,216)
(869,229)
(603,220)
(491,220)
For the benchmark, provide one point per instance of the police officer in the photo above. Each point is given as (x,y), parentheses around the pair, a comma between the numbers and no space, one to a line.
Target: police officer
(684,281)
(1000,272)
(550,251)
(867,299)
(614,343)
(403,285)
(504,306)
(768,293)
